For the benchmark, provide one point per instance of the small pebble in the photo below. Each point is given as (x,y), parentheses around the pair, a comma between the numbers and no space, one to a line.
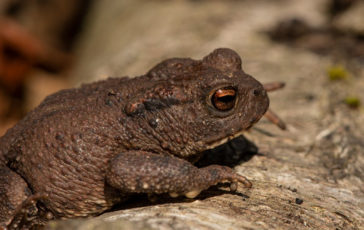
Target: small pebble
(299,201)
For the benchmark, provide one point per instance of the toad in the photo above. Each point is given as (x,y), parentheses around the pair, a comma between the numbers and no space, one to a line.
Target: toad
(83,150)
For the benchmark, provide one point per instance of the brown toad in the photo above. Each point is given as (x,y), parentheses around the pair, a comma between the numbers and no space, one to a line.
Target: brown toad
(83,150)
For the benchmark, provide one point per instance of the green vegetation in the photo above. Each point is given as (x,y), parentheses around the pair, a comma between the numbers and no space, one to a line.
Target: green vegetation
(337,73)
(352,101)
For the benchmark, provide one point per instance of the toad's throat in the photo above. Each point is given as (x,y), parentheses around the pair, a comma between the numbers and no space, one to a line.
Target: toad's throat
(223,140)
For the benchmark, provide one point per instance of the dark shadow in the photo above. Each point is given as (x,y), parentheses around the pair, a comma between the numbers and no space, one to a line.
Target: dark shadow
(232,153)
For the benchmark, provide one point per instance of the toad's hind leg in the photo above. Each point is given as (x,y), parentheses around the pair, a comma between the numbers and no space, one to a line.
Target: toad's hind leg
(13,191)
(145,172)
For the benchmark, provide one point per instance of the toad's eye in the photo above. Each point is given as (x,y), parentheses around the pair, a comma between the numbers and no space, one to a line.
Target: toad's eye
(224,99)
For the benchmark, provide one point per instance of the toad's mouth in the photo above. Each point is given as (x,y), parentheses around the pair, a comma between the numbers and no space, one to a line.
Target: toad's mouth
(221,141)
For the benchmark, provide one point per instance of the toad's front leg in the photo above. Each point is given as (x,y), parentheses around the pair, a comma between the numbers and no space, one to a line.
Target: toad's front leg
(145,172)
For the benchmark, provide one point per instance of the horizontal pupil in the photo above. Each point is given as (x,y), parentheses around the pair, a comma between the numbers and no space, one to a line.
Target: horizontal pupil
(227,98)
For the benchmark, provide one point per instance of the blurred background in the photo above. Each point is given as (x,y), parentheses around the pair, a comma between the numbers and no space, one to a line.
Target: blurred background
(315,46)
(48,45)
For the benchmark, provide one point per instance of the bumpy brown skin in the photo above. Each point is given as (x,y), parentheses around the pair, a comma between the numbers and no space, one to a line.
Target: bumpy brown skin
(85,149)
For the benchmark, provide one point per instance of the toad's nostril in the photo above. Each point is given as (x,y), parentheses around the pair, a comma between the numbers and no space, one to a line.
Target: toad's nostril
(256,92)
